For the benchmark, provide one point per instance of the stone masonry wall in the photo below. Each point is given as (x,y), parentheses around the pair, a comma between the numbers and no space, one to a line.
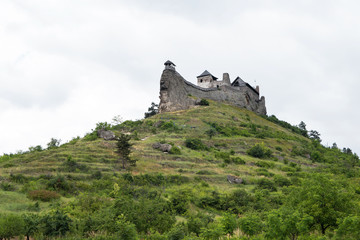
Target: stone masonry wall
(175,94)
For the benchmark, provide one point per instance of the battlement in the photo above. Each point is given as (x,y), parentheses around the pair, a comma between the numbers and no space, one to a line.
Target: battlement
(176,93)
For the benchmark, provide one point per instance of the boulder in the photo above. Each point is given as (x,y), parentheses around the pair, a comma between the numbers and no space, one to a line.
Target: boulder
(233,179)
(107,135)
(162,147)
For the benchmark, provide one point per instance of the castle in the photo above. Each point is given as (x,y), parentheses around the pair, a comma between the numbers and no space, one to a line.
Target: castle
(176,93)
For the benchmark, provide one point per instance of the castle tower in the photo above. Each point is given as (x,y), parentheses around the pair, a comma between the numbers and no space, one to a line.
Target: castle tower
(169,65)
(206,79)
(226,79)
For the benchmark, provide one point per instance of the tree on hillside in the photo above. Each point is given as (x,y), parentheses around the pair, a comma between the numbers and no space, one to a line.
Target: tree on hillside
(314,135)
(152,110)
(323,199)
(302,127)
(54,143)
(123,148)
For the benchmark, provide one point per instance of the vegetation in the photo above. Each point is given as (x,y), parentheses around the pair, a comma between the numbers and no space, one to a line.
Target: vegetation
(292,186)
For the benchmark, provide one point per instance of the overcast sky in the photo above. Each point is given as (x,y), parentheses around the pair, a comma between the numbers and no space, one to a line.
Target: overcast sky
(66,65)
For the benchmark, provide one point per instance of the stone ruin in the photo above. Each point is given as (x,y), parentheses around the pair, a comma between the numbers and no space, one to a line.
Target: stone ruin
(176,93)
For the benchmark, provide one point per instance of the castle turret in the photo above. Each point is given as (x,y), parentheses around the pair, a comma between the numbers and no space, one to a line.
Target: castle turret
(169,65)
(226,79)
(257,89)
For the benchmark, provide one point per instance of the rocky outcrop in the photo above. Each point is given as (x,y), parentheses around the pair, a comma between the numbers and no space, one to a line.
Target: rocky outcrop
(177,94)
(106,135)
(162,147)
(233,179)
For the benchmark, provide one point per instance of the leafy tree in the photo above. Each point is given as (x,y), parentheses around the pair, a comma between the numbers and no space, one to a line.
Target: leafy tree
(212,231)
(323,199)
(251,224)
(56,224)
(314,135)
(334,146)
(123,146)
(211,132)
(126,229)
(54,143)
(287,223)
(349,228)
(37,148)
(229,223)
(31,225)
(10,226)
(302,127)
(152,110)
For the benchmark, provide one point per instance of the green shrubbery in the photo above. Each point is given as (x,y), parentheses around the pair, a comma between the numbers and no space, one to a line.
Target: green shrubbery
(260,151)
(195,144)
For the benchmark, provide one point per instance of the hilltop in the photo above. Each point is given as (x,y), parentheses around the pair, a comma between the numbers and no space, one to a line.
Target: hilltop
(229,171)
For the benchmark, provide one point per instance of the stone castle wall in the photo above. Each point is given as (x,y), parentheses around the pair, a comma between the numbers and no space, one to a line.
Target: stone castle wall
(177,94)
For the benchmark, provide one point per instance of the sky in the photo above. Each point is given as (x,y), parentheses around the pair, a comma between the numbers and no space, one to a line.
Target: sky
(67,65)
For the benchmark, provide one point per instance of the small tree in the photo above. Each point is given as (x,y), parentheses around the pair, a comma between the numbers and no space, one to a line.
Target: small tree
(314,135)
(123,146)
(152,110)
(211,132)
(10,226)
(54,143)
(302,127)
(32,222)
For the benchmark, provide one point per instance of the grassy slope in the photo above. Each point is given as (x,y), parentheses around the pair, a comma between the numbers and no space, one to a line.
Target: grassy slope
(99,155)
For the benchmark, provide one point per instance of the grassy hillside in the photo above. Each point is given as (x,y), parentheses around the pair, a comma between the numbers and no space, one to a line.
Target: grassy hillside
(186,193)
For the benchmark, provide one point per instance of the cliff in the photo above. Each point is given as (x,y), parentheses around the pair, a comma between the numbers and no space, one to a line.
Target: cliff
(177,94)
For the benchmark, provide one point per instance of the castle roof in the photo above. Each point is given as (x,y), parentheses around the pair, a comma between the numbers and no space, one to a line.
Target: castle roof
(168,62)
(238,82)
(206,73)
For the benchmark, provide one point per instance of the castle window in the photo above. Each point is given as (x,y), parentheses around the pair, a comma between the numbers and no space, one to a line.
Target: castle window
(200,80)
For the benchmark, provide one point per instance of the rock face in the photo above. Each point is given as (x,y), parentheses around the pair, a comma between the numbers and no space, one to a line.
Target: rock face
(233,179)
(162,147)
(177,94)
(107,135)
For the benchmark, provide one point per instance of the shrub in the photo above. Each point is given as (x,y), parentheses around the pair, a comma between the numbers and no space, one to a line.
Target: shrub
(204,102)
(224,156)
(237,160)
(195,144)
(175,150)
(279,148)
(43,195)
(259,151)
(282,181)
(265,183)
(265,164)
(7,186)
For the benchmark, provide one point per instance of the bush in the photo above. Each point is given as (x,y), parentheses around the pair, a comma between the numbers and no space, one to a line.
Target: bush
(259,151)
(265,164)
(282,181)
(204,102)
(237,160)
(43,195)
(7,186)
(175,150)
(265,183)
(195,144)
